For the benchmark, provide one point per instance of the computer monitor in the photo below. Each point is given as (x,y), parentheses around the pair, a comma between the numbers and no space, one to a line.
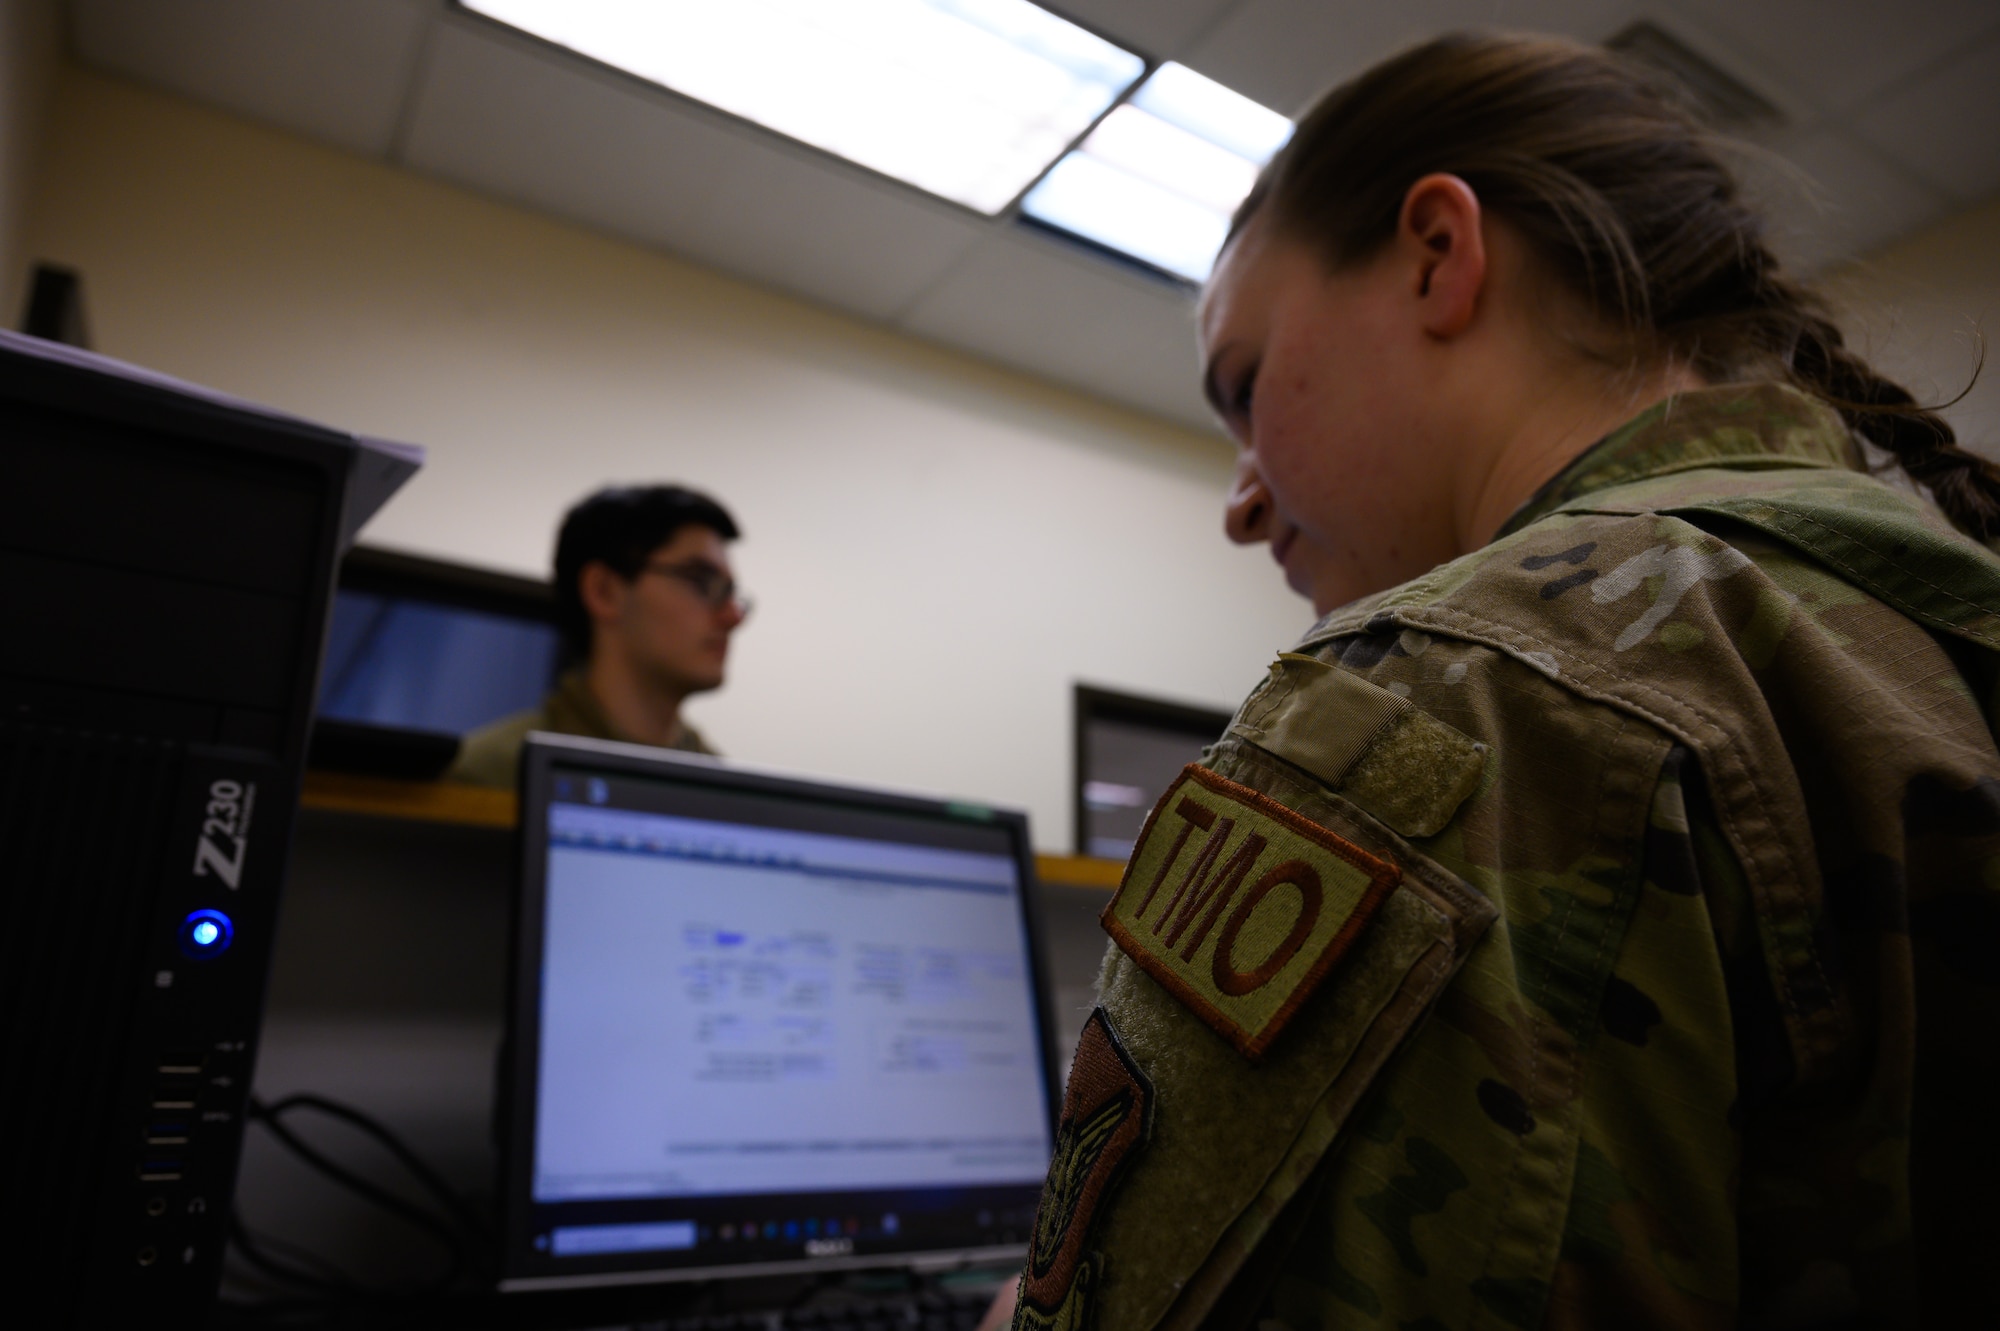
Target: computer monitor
(762,1024)
(422,644)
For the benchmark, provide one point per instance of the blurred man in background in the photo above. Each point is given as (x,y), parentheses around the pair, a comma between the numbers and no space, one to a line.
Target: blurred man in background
(646,603)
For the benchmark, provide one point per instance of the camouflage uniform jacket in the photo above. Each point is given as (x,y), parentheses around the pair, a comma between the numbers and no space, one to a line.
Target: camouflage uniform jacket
(491,755)
(1546,941)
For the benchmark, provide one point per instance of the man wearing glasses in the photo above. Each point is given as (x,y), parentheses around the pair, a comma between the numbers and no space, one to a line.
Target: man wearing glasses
(645,602)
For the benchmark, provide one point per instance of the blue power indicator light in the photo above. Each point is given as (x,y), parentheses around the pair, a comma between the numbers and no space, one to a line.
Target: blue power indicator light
(206,934)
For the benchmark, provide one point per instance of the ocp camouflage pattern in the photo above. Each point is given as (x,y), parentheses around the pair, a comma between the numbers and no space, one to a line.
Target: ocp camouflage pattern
(1728,1052)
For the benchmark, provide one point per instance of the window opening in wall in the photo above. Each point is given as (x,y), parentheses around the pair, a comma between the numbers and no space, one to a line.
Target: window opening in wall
(1129,749)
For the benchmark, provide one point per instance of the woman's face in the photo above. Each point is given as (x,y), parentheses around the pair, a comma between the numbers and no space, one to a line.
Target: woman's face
(1324,379)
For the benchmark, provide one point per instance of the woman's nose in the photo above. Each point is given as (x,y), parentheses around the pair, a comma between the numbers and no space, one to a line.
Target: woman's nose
(1247,515)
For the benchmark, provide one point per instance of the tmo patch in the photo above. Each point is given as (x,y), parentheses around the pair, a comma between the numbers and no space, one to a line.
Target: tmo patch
(1107,1113)
(1240,906)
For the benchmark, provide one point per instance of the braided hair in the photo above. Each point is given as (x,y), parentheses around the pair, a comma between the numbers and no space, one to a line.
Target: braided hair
(1626,198)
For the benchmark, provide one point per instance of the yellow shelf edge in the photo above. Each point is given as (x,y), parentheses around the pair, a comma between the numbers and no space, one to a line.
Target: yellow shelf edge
(477,806)
(421,801)
(1080,871)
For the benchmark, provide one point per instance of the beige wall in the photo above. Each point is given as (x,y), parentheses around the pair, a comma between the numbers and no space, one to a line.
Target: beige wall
(939,549)
(1918,308)
(28,63)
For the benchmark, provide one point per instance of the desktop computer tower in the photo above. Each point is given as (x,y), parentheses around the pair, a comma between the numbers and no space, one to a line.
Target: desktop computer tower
(166,561)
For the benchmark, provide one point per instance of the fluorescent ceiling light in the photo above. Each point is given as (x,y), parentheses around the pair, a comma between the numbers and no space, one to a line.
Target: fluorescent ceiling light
(969,99)
(1159,177)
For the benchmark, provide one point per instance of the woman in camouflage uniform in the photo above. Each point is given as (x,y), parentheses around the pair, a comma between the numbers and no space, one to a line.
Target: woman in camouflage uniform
(1593,919)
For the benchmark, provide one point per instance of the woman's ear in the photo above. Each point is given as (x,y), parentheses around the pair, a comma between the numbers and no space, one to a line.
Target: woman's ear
(1439,230)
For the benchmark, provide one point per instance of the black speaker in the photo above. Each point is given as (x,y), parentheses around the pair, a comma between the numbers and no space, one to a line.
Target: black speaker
(167,559)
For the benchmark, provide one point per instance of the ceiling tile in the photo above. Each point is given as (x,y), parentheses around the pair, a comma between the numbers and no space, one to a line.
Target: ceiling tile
(1831,198)
(1833,54)
(1284,53)
(1041,306)
(335,70)
(505,116)
(816,230)
(545,129)
(1157,28)
(1945,127)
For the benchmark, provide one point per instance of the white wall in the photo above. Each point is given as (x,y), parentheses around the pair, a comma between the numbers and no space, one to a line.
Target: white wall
(1918,308)
(939,549)
(28,62)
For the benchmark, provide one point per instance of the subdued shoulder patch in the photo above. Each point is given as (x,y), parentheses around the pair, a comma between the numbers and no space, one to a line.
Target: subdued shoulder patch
(1239,906)
(1107,1114)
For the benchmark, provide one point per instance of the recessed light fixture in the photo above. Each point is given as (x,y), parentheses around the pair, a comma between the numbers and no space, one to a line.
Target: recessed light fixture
(968,99)
(1159,177)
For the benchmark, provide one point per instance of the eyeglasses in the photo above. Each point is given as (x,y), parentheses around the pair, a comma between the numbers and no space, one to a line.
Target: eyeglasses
(715,588)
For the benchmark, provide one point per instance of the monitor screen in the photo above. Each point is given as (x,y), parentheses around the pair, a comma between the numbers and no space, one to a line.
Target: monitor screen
(764,1022)
(417,665)
(422,644)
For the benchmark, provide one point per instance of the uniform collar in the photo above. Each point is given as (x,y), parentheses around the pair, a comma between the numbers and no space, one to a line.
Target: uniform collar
(574,709)
(1733,426)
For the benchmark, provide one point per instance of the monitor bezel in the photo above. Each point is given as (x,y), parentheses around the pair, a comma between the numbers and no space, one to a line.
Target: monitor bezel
(521,1266)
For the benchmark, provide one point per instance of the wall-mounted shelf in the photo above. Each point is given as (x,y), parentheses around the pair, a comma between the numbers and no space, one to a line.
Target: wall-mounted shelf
(422,801)
(1079,871)
(477,806)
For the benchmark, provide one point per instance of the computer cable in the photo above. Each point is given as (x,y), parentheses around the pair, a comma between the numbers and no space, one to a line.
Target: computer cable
(459,1231)
(472,1226)
(288,1264)
(435,1227)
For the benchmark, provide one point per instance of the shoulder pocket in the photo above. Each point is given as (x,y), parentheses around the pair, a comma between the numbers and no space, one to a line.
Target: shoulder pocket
(1266,970)
(1395,760)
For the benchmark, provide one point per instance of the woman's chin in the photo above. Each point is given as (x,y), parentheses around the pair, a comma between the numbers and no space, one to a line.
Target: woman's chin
(1301,581)
(1327,593)
(1328,583)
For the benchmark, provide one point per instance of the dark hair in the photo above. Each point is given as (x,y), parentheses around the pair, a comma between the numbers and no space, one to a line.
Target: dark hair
(621,527)
(1625,197)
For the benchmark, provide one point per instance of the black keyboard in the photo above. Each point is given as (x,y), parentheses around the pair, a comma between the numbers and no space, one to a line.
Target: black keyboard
(931,1310)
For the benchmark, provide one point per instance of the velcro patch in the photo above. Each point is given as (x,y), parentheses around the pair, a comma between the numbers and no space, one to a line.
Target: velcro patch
(1239,906)
(1395,760)
(1107,1113)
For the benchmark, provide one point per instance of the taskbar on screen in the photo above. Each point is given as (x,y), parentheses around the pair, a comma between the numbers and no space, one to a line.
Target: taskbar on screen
(655,1238)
